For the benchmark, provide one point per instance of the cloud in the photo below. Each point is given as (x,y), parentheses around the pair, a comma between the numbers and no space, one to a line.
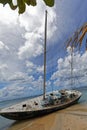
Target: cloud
(32,47)
(10,92)
(62,77)
(17,76)
(33,21)
(4,49)
(8,16)
(32,68)
(22,42)
(2,46)
(3,70)
(23,38)
(22,88)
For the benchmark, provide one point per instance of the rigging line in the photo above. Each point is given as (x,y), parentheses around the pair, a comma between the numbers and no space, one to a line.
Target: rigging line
(78,80)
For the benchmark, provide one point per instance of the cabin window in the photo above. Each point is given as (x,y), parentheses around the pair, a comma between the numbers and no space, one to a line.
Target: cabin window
(35,103)
(24,105)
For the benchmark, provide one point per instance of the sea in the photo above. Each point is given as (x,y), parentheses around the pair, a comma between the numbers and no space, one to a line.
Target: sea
(6,123)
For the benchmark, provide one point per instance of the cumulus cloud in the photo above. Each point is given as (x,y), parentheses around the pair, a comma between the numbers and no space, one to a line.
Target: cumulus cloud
(3,70)
(22,88)
(38,84)
(3,46)
(10,92)
(33,21)
(8,16)
(32,68)
(32,47)
(4,49)
(21,38)
(17,76)
(62,77)
(22,41)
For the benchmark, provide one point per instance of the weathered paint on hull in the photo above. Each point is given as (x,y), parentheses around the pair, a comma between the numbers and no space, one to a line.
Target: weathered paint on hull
(32,114)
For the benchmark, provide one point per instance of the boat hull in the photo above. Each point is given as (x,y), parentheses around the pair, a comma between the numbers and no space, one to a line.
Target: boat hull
(31,114)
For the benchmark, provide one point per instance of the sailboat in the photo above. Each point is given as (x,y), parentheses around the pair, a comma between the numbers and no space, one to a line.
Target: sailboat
(45,104)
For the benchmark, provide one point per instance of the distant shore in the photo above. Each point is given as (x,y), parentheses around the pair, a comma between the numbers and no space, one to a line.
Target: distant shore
(71,118)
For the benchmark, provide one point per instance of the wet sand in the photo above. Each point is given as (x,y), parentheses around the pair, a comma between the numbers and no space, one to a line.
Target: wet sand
(72,118)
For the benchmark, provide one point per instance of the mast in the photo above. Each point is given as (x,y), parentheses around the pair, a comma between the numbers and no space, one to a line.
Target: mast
(71,66)
(45,40)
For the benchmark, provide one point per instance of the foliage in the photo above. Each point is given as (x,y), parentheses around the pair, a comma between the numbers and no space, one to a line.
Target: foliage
(21,4)
(78,36)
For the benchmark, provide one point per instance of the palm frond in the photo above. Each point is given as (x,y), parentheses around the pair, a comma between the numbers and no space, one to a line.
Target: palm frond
(77,37)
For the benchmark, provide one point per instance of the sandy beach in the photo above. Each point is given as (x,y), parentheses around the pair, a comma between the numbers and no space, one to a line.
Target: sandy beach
(72,118)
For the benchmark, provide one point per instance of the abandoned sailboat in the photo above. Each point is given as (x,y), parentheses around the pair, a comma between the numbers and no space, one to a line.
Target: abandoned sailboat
(43,104)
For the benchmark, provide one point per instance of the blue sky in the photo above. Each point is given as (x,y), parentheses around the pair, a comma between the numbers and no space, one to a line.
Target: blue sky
(21,48)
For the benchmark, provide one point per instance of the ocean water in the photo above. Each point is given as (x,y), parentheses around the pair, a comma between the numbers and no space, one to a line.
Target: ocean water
(6,123)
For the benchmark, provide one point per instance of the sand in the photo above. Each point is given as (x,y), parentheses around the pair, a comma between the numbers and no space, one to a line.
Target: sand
(71,118)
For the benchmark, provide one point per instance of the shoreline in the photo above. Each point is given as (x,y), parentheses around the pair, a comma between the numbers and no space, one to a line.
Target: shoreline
(71,118)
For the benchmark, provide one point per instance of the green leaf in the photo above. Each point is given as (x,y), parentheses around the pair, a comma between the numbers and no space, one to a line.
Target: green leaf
(49,2)
(21,6)
(33,2)
(4,2)
(13,7)
(28,2)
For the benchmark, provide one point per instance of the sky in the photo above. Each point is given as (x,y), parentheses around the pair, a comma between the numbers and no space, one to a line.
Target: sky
(22,44)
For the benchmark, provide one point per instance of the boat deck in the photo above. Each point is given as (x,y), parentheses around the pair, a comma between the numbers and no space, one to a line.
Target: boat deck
(35,104)
(28,105)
